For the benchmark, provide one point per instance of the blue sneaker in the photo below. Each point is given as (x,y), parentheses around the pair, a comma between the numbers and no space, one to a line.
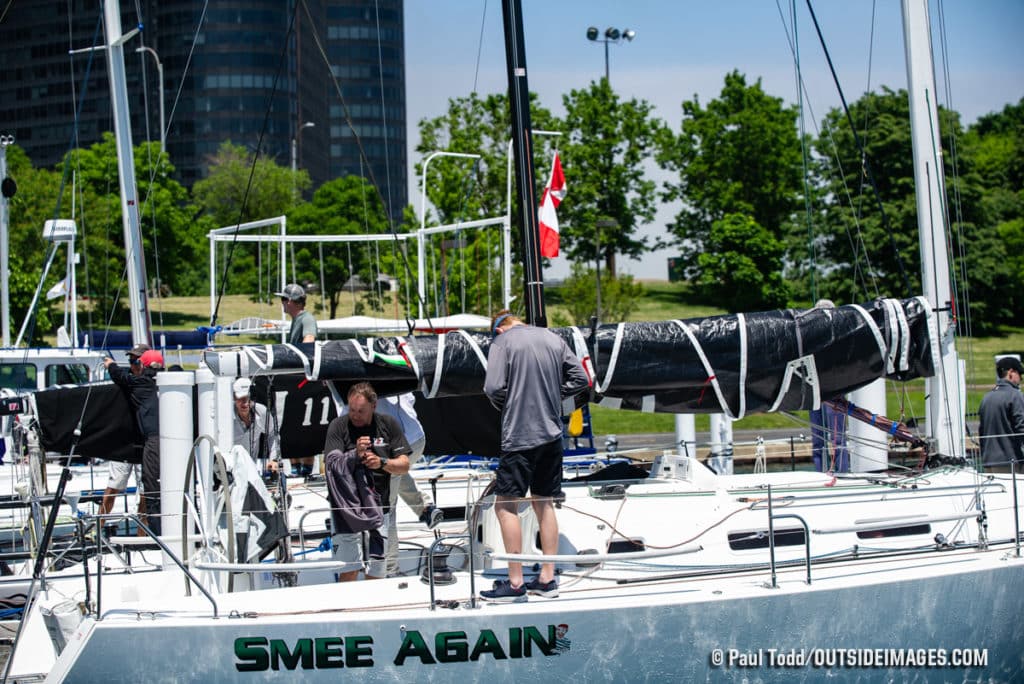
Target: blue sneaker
(504,592)
(546,589)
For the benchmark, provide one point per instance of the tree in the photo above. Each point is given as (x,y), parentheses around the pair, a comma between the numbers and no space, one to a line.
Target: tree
(464,190)
(237,191)
(89,193)
(461,189)
(228,196)
(875,252)
(995,143)
(739,155)
(343,206)
(33,204)
(172,240)
(609,196)
(742,267)
(619,295)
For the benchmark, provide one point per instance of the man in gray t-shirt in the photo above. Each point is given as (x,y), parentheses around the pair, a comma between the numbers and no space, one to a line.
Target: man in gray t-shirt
(293,301)
(531,372)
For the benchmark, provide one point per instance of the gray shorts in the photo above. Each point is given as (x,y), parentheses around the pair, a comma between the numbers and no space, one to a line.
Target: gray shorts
(363,550)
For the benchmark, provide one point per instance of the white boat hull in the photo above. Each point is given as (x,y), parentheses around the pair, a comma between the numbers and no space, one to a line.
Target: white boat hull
(851,624)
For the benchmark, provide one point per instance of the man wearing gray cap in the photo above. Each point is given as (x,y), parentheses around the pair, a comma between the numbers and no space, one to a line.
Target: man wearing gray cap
(1001,412)
(293,301)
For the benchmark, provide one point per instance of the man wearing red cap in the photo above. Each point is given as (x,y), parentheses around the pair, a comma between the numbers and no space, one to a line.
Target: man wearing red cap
(140,384)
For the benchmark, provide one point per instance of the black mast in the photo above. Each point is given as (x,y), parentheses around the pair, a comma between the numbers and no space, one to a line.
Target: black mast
(522,145)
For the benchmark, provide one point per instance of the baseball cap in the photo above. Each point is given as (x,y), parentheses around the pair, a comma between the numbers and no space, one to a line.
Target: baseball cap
(138,350)
(241,387)
(292,291)
(151,359)
(1009,363)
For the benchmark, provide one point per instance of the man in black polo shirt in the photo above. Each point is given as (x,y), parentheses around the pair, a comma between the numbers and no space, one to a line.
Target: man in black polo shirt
(358,444)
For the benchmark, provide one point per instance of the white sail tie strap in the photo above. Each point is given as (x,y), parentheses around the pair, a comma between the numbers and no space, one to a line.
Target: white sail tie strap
(248,357)
(809,376)
(710,372)
(407,349)
(302,357)
(439,360)
(475,347)
(442,342)
(365,355)
(582,353)
(893,331)
(933,334)
(317,359)
(904,327)
(603,386)
(873,327)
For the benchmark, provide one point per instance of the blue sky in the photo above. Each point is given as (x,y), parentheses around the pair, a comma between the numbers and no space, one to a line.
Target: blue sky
(685,47)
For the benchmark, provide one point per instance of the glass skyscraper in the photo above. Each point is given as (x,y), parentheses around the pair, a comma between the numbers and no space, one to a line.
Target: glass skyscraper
(251,75)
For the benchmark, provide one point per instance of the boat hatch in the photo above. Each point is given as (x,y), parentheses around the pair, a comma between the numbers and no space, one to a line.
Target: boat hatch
(758,539)
(902,531)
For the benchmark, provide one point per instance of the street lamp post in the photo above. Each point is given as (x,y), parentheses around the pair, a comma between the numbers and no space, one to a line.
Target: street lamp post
(611,35)
(160,75)
(295,153)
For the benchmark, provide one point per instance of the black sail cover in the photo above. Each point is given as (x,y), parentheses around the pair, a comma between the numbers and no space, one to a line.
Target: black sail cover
(783,360)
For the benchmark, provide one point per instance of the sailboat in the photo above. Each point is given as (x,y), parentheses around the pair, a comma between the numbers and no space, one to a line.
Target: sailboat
(676,573)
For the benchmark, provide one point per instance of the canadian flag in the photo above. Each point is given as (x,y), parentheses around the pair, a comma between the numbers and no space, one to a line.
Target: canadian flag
(554,193)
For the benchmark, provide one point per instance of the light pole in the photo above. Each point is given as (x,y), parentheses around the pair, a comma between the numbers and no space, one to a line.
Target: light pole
(8,187)
(160,75)
(421,249)
(611,35)
(295,153)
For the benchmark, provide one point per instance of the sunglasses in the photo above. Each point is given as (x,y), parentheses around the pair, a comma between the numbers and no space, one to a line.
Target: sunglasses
(133,360)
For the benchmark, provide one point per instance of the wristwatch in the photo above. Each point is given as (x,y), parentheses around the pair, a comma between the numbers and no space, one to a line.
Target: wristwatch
(383,462)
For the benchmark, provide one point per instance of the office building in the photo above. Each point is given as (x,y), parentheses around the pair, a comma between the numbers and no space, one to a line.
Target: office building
(252,75)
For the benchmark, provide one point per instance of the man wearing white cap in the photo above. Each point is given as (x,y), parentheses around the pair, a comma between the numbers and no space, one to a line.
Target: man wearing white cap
(251,426)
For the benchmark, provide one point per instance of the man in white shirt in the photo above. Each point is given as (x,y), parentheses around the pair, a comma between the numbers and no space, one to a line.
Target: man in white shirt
(251,429)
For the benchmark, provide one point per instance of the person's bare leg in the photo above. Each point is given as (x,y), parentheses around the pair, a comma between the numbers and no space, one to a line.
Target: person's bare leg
(109,496)
(544,509)
(507,510)
(348,576)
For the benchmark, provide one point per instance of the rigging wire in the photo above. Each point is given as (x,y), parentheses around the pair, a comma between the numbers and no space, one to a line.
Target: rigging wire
(480,46)
(866,166)
(866,277)
(255,159)
(363,158)
(30,316)
(811,246)
(964,323)
(383,112)
(858,246)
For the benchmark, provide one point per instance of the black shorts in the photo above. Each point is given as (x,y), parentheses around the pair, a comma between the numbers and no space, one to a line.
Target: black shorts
(538,469)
